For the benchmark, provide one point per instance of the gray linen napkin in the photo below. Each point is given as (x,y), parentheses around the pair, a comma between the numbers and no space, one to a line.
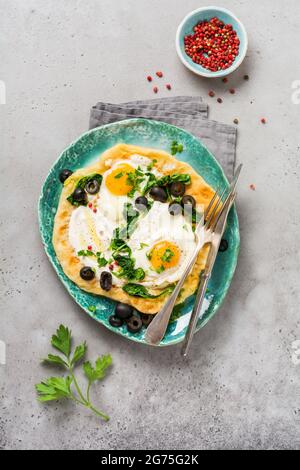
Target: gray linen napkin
(189,113)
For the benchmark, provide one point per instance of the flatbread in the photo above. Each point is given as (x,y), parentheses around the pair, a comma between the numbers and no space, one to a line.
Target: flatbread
(71,264)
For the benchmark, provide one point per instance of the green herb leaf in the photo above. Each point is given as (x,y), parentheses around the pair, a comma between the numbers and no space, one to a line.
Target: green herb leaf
(176,313)
(55,360)
(92,308)
(81,184)
(139,274)
(79,353)
(137,290)
(134,179)
(161,269)
(128,271)
(168,255)
(176,147)
(101,260)
(151,181)
(164,181)
(98,372)
(196,216)
(119,175)
(62,340)
(143,245)
(118,245)
(85,253)
(151,165)
(54,388)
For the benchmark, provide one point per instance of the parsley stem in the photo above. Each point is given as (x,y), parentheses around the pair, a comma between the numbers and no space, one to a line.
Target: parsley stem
(77,387)
(90,406)
(74,398)
(88,392)
(99,413)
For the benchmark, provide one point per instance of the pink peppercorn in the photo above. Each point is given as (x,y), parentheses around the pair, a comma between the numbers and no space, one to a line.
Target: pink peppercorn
(155,89)
(213,45)
(149,78)
(168,86)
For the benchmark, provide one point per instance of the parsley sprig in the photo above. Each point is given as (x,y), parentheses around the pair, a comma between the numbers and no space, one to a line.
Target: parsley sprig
(56,388)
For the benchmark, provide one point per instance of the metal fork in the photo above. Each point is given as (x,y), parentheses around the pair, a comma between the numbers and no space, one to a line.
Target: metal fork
(157,328)
(214,238)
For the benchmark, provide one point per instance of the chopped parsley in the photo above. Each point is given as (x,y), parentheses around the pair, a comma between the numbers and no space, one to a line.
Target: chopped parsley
(81,184)
(85,253)
(134,179)
(164,181)
(101,261)
(160,269)
(136,290)
(143,245)
(128,270)
(176,147)
(167,256)
(151,165)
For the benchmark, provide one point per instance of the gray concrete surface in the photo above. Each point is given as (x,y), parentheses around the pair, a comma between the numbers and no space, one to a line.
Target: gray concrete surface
(240,387)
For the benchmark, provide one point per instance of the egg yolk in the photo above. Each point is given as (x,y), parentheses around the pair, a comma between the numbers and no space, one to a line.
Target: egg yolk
(164,255)
(117,180)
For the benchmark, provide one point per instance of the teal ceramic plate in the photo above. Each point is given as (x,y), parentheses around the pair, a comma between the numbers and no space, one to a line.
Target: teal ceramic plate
(158,135)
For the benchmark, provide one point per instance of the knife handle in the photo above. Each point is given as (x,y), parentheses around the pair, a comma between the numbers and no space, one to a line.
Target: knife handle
(195,313)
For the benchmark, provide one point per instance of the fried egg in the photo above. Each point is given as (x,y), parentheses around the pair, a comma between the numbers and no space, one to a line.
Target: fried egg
(162,245)
(116,185)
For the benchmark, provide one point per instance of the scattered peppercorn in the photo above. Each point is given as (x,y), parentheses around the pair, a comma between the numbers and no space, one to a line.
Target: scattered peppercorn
(219,100)
(95,210)
(236,121)
(90,247)
(159,74)
(252,186)
(211,94)
(225,80)
(246,77)
(155,89)
(232,91)
(214,45)
(168,86)
(149,78)
(263,121)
